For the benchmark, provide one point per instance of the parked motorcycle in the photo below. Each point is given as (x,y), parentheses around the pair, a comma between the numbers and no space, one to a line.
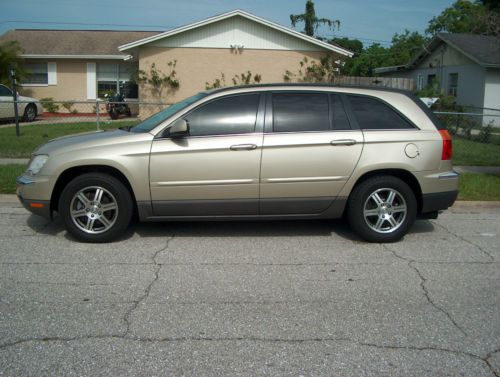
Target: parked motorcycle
(117,106)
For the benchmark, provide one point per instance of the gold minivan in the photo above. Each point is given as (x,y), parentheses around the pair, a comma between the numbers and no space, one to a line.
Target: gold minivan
(377,156)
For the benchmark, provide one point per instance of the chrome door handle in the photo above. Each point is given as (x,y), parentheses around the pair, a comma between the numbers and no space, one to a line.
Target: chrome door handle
(343,142)
(243,147)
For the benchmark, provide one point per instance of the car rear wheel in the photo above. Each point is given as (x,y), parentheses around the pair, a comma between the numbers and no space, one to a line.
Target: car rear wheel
(96,207)
(382,209)
(29,113)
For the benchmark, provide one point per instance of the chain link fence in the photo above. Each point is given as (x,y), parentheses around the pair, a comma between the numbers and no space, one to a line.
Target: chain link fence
(479,127)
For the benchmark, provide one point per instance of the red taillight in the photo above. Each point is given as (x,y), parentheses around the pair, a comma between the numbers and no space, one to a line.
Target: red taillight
(447,145)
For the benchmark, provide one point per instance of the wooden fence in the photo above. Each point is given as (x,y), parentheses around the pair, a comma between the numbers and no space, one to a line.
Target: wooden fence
(385,82)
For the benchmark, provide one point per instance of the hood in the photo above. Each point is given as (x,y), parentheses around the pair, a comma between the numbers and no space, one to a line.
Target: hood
(86,140)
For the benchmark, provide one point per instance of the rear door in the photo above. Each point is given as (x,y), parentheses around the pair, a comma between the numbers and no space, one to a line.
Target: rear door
(309,152)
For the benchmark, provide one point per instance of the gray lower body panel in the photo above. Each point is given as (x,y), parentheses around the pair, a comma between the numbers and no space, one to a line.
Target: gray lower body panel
(245,209)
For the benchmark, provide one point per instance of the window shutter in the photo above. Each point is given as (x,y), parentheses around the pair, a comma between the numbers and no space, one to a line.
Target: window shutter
(91,81)
(52,73)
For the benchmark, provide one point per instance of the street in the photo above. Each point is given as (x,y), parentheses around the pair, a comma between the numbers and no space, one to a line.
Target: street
(297,298)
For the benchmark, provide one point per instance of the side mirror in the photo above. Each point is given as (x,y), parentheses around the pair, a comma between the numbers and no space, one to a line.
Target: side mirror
(179,129)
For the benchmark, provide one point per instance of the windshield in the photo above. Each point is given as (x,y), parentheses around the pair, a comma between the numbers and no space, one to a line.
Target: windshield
(154,120)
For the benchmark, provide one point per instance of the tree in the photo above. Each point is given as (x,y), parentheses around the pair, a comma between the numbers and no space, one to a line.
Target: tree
(464,16)
(10,58)
(311,22)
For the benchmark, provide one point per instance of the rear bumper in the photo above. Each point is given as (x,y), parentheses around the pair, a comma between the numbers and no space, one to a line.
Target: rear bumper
(438,201)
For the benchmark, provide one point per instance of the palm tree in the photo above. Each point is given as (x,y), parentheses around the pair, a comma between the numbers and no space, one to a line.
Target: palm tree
(311,21)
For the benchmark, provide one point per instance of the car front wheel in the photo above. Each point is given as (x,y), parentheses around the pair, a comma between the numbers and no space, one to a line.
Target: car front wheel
(96,207)
(382,209)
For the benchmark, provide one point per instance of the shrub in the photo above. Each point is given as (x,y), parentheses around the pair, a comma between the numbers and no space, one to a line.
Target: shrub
(49,105)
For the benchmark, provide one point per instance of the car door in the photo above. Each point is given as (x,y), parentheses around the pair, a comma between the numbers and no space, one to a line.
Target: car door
(214,170)
(6,103)
(309,152)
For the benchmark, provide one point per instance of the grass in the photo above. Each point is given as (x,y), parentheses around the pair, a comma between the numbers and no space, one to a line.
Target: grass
(8,175)
(479,187)
(471,186)
(34,135)
(472,153)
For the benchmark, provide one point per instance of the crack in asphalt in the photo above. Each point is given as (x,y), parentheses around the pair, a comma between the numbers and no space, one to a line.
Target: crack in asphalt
(423,280)
(135,305)
(484,359)
(466,241)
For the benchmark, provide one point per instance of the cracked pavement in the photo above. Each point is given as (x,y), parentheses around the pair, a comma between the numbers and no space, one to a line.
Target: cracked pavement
(244,299)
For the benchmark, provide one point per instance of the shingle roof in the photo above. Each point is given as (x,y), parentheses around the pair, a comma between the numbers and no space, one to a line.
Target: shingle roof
(73,42)
(484,49)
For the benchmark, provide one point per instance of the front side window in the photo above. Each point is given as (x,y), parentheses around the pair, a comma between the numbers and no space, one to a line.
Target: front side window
(229,115)
(296,112)
(37,73)
(373,114)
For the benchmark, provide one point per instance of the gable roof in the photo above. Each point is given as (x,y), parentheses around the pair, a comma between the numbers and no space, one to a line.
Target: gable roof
(245,15)
(73,43)
(482,49)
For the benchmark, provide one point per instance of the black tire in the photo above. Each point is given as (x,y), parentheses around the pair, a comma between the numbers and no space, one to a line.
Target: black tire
(106,217)
(382,209)
(113,114)
(30,113)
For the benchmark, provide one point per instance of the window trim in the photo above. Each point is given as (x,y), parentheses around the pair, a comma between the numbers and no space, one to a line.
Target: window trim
(351,110)
(259,117)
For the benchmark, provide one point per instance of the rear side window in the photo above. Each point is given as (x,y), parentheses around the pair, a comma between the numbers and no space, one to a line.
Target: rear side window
(373,114)
(228,115)
(339,117)
(295,112)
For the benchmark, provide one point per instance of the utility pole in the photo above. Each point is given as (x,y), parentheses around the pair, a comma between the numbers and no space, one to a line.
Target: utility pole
(14,96)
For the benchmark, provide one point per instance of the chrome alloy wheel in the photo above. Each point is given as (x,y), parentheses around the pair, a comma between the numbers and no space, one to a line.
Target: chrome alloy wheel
(94,210)
(385,210)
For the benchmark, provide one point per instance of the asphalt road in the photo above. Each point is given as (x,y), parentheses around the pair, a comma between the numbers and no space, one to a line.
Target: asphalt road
(251,299)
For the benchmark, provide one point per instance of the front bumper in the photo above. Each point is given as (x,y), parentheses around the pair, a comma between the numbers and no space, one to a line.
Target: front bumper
(28,189)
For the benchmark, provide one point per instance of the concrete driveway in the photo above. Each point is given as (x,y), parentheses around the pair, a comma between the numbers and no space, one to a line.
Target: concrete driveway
(269,298)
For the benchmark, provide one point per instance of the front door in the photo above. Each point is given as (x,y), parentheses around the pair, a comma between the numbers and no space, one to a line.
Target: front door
(309,152)
(6,103)
(214,170)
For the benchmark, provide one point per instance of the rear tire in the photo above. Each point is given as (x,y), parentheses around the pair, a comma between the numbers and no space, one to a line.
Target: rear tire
(382,209)
(30,113)
(96,207)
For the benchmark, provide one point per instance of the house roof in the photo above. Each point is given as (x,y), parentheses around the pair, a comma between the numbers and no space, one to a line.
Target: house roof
(483,49)
(237,13)
(73,43)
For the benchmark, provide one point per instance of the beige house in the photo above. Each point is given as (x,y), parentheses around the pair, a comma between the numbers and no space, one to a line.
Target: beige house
(82,65)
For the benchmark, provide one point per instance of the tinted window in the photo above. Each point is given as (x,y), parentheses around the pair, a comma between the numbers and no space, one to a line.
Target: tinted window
(4,91)
(293,112)
(373,114)
(229,115)
(339,117)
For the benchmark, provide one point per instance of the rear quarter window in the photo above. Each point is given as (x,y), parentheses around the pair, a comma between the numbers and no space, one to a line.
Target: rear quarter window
(373,114)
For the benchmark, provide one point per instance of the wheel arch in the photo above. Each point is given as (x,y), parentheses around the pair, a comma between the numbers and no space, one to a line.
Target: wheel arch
(69,174)
(402,174)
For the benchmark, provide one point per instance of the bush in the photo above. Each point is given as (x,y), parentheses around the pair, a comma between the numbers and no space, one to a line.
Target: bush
(49,105)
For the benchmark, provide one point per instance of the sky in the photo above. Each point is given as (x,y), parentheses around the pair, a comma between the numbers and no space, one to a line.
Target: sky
(368,20)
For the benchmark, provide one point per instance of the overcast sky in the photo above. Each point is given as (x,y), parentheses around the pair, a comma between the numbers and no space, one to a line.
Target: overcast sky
(368,20)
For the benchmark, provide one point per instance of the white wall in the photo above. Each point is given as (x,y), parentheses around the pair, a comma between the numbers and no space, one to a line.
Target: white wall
(492,95)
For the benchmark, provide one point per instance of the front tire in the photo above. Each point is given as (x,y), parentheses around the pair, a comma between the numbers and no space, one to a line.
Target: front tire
(96,207)
(382,209)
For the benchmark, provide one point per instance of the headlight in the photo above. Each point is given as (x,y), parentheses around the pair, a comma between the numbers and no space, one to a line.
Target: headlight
(37,163)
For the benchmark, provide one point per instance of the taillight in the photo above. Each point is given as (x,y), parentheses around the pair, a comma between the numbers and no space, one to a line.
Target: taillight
(447,145)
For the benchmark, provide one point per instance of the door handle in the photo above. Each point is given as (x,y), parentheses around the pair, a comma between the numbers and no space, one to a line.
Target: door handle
(343,142)
(243,147)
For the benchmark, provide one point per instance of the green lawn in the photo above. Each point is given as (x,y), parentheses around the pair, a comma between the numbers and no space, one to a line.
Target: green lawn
(472,153)
(36,134)
(8,175)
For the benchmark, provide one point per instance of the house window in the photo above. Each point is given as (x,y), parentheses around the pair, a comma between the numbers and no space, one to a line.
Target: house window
(112,78)
(37,74)
(431,79)
(453,84)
